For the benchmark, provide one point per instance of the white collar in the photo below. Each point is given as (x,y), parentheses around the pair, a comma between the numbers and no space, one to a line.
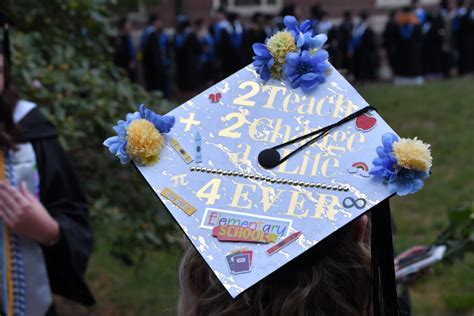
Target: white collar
(22,108)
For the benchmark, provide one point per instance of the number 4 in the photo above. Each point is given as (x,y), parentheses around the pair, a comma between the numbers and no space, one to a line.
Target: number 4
(213,194)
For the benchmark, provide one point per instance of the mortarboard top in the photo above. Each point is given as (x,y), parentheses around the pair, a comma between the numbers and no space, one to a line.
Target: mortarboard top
(245,220)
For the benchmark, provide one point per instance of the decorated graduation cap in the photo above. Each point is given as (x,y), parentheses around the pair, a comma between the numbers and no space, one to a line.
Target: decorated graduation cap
(269,162)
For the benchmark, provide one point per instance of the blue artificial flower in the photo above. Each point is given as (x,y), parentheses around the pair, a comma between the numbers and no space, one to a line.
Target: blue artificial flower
(118,144)
(306,70)
(298,30)
(407,181)
(313,42)
(401,181)
(162,123)
(385,163)
(303,34)
(263,60)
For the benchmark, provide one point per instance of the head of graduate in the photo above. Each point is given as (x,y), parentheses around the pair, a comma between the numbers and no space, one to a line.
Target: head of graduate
(333,278)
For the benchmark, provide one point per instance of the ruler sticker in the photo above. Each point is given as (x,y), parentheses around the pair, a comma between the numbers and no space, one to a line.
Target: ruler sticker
(180,150)
(178,201)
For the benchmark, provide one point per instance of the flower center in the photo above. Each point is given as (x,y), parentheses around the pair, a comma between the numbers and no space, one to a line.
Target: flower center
(304,68)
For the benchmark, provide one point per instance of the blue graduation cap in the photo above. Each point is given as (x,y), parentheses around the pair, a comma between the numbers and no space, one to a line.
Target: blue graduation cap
(266,164)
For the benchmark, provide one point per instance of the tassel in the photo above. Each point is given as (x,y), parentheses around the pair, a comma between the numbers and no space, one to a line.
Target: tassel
(384,291)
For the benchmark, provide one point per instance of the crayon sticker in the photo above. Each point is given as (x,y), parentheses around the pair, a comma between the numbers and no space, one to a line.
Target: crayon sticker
(197,143)
(180,150)
(178,201)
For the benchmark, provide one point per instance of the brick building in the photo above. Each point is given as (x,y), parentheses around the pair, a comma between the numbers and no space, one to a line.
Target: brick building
(168,9)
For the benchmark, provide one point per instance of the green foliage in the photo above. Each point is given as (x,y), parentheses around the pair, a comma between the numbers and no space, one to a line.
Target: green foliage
(62,61)
(459,235)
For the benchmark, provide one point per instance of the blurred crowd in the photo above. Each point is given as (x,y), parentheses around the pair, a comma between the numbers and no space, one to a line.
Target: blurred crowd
(417,44)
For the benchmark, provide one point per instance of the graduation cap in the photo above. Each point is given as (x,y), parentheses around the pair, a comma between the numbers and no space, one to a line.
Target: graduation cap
(264,165)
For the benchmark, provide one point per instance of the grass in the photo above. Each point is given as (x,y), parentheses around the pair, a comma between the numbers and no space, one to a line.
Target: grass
(439,113)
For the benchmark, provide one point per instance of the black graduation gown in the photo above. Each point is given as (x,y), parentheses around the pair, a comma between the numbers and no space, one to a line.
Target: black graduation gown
(408,53)
(466,44)
(187,60)
(123,55)
(366,57)
(345,36)
(153,63)
(432,47)
(251,36)
(61,195)
(389,41)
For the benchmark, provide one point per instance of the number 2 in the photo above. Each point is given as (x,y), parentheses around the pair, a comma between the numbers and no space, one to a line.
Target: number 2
(244,99)
(231,130)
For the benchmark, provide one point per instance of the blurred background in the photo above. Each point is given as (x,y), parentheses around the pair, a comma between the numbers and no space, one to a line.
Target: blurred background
(87,63)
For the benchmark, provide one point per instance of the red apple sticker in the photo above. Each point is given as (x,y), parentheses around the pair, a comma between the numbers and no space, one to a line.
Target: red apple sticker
(215,97)
(365,122)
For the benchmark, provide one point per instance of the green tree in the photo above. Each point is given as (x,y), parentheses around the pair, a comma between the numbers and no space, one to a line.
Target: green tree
(62,61)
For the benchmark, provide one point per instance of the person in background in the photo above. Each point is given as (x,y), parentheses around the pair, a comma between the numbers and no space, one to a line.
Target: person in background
(234,60)
(418,11)
(125,53)
(408,41)
(45,236)
(390,35)
(444,15)
(221,30)
(432,47)
(463,27)
(149,28)
(155,59)
(187,51)
(345,34)
(459,32)
(254,33)
(207,57)
(364,50)
(269,25)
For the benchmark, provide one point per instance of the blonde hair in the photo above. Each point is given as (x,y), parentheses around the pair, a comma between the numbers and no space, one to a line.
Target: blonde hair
(336,283)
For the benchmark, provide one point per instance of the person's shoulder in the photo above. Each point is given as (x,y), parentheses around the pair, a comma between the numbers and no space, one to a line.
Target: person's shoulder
(33,123)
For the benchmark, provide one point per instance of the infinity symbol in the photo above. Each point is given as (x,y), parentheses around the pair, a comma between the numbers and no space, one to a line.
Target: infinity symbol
(357,203)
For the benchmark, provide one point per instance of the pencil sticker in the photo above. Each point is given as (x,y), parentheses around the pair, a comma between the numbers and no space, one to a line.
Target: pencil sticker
(282,244)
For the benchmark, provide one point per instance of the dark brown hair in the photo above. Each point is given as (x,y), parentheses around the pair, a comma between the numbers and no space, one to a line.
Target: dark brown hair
(336,283)
(8,129)
(8,101)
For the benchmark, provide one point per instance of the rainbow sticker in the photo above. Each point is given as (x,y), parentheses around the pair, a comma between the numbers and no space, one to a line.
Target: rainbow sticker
(361,165)
(359,168)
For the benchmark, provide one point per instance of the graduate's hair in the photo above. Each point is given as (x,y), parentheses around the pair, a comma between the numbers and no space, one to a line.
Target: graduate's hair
(8,100)
(333,278)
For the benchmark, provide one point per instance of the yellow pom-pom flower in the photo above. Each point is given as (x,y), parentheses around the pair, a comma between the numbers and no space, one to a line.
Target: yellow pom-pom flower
(144,142)
(279,46)
(413,154)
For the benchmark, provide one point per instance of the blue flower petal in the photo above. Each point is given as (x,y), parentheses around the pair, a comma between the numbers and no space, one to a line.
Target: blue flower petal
(306,26)
(265,73)
(319,40)
(309,76)
(388,139)
(261,50)
(291,23)
(308,85)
